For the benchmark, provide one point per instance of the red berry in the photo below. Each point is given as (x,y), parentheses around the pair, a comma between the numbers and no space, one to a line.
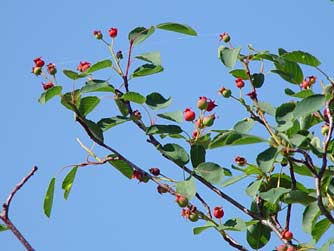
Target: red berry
(239,83)
(181,200)
(305,84)
(281,247)
(287,235)
(83,66)
(195,134)
(39,62)
(218,212)
(154,171)
(113,32)
(211,105)
(291,248)
(202,103)
(47,85)
(189,115)
(98,34)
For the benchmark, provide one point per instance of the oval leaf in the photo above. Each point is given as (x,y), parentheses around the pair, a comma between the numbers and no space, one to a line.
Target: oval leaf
(161,129)
(228,56)
(140,34)
(310,216)
(99,66)
(173,116)
(147,69)
(121,166)
(309,105)
(272,195)
(48,199)
(134,97)
(108,123)
(258,235)
(302,58)
(49,94)
(180,28)
(265,160)
(68,182)
(212,172)
(320,228)
(87,104)
(151,57)
(187,188)
(176,153)
(97,86)
(239,73)
(197,154)
(156,101)
(244,126)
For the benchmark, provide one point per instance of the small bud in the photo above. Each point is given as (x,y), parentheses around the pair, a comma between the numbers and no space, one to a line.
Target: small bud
(252,95)
(37,71)
(113,32)
(119,55)
(209,120)
(161,189)
(98,34)
(195,134)
(211,105)
(136,115)
(312,79)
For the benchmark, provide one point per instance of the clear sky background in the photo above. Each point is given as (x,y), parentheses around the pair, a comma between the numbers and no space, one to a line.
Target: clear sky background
(105,211)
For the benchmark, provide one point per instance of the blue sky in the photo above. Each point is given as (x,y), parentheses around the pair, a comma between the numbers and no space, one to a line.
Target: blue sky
(106,211)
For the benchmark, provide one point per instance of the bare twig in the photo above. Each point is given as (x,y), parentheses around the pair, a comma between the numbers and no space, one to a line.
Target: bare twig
(205,205)
(5,211)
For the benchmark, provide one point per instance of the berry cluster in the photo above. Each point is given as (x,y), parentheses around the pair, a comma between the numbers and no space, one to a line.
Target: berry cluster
(38,70)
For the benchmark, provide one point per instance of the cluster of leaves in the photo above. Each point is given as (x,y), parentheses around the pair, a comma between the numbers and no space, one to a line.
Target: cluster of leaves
(294,148)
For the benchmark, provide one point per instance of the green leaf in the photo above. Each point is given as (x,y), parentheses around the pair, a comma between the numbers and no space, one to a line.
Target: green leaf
(309,105)
(176,153)
(310,216)
(66,99)
(289,71)
(253,188)
(233,180)
(300,94)
(140,34)
(265,160)
(233,138)
(198,230)
(211,172)
(121,166)
(48,199)
(296,196)
(134,97)
(284,112)
(228,56)
(147,69)
(95,130)
(3,227)
(99,66)
(320,228)
(258,79)
(244,126)
(68,182)
(151,57)
(180,28)
(173,116)
(235,224)
(187,188)
(272,195)
(50,93)
(122,107)
(160,129)
(302,58)
(107,123)
(156,101)
(97,86)
(71,74)
(267,108)
(258,235)
(239,73)
(87,104)
(197,154)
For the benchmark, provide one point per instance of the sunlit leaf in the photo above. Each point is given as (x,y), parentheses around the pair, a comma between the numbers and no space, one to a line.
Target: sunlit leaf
(309,105)
(176,153)
(99,66)
(68,182)
(87,104)
(121,166)
(48,199)
(180,28)
(140,34)
(187,188)
(151,57)
(156,101)
(228,56)
(302,58)
(147,69)
(173,116)
(107,123)
(49,94)
(211,172)
(134,97)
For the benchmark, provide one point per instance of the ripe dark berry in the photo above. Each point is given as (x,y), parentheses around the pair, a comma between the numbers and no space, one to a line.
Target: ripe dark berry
(218,212)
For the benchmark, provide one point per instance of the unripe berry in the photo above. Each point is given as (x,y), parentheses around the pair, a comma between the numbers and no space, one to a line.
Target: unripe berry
(181,200)
(37,70)
(193,217)
(98,34)
(113,32)
(51,68)
(209,120)
(225,92)
(225,37)
(189,115)
(199,123)
(202,103)
(324,129)
(161,189)
(239,83)
(218,212)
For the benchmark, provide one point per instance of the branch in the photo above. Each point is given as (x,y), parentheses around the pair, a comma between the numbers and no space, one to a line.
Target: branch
(5,211)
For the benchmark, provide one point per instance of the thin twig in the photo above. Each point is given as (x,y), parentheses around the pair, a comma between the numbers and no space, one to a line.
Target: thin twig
(204,204)
(5,211)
